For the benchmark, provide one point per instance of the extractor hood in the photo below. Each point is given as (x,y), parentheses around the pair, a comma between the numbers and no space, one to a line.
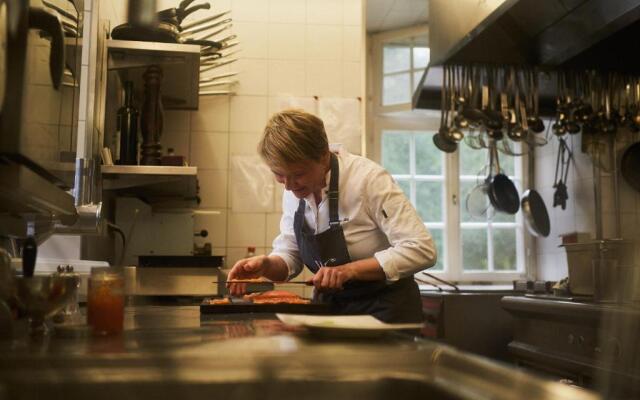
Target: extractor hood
(582,34)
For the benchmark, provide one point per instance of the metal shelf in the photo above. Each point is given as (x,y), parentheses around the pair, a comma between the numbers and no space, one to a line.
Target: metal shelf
(154,183)
(180,65)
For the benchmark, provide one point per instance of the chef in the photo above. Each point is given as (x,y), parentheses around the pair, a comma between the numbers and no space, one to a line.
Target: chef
(345,219)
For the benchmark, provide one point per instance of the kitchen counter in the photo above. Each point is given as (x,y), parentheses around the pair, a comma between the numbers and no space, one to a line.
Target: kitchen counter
(168,352)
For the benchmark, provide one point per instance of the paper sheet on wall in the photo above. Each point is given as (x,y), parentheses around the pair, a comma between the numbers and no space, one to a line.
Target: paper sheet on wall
(252,185)
(308,104)
(341,119)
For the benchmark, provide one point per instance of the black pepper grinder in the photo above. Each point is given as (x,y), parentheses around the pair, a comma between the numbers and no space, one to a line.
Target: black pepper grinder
(128,128)
(29,254)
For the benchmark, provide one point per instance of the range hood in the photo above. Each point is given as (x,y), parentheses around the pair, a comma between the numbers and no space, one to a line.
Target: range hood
(582,34)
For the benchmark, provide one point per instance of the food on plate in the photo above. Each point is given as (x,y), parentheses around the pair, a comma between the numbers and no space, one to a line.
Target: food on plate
(225,300)
(276,297)
(281,300)
(268,297)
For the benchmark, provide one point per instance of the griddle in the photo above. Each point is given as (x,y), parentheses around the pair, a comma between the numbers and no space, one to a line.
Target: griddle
(240,306)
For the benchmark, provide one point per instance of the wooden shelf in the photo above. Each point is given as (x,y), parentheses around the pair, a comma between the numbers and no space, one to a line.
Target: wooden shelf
(154,183)
(180,65)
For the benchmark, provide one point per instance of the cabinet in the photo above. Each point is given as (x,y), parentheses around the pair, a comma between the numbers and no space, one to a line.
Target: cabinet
(471,321)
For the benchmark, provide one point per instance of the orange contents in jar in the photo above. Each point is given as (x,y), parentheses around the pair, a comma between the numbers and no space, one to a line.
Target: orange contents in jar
(105,303)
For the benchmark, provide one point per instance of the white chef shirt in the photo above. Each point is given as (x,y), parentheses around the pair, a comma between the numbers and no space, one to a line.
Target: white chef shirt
(377,218)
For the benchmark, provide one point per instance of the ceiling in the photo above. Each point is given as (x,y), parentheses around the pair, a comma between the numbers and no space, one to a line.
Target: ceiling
(384,15)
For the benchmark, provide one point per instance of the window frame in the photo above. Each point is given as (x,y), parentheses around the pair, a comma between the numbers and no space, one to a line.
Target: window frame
(401,117)
(378,42)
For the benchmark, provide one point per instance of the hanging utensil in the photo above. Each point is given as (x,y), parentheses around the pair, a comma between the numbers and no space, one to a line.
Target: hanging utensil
(197,29)
(440,138)
(216,32)
(502,191)
(216,83)
(216,77)
(214,65)
(535,213)
(197,24)
(215,93)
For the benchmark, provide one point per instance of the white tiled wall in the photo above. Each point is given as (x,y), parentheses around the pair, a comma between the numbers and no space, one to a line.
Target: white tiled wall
(579,215)
(287,47)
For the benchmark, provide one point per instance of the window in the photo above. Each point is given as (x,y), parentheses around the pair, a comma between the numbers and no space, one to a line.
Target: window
(490,248)
(469,248)
(403,65)
(418,167)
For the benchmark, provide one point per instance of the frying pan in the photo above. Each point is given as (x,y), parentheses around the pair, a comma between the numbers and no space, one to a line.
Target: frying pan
(171,14)
(535,212)
(502,191)
(164,32)
(504,195)
(177,15)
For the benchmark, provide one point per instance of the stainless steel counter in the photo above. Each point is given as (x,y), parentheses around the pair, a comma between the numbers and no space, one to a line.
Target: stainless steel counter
(168,352)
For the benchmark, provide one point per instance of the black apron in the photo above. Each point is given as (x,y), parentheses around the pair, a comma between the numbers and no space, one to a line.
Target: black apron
(396,302)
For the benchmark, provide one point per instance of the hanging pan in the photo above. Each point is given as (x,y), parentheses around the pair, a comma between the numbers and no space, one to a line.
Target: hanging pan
(165,31)
(535,213)
(502,191)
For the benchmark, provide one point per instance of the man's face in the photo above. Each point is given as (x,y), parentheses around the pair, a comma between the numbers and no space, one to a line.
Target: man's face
(302,178)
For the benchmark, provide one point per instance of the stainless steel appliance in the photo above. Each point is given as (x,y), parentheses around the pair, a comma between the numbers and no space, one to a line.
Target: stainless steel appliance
(592,345)
(39,114)
(551,33)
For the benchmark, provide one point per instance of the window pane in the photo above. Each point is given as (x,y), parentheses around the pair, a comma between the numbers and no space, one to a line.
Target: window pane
(396,89)
(429,201)
(395,152)
(472,160)
(503,217)
(474,249)
(405,185)
(428,157)
(420,57)
(438,238)
(504,249)
(507,163)
(396,58)
(416,79)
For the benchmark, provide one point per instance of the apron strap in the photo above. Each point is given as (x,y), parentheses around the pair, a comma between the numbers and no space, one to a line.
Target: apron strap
(334,219)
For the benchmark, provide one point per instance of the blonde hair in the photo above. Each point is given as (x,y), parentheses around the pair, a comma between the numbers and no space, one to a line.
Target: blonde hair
(293,136)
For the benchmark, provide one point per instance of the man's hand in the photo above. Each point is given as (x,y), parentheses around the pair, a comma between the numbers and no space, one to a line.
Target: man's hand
(247,268)
(332,278)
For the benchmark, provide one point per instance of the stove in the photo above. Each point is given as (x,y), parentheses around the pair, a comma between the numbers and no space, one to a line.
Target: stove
(572,338)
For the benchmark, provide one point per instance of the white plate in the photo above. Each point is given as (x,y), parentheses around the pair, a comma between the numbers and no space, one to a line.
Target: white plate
(343,325)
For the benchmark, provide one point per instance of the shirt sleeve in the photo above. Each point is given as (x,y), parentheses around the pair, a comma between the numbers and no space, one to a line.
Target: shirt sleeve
(285,245)
(412,248)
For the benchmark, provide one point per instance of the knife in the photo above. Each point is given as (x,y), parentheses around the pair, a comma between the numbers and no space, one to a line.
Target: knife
(306,283)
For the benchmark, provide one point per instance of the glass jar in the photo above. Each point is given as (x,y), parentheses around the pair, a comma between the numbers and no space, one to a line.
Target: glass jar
(105,301)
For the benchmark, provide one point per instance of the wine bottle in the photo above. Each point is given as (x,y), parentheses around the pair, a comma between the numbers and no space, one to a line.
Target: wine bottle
(128,128)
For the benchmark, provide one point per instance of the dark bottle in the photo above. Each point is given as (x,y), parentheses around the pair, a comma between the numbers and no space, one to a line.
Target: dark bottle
(128,128)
